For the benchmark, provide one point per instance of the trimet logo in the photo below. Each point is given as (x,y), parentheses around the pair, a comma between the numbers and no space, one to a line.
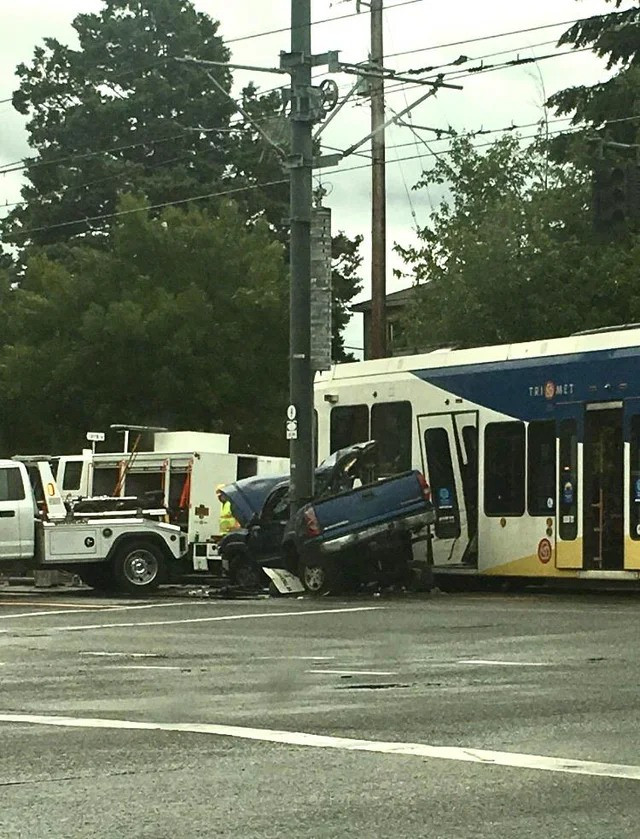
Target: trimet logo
(550,389)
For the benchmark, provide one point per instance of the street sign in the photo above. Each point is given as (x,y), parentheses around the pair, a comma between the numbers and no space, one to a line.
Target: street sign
(292,412)
(95,436)
(321,288)
(292,429)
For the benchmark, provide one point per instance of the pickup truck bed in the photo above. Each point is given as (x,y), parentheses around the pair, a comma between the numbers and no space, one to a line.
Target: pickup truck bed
(362,534)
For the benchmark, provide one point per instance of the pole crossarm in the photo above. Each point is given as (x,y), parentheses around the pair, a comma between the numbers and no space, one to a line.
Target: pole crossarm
(205,63)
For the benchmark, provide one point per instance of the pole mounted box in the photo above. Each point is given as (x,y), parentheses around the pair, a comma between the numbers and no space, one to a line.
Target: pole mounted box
(321,288)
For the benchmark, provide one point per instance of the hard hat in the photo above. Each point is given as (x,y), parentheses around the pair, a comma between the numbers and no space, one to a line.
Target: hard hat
(219,488)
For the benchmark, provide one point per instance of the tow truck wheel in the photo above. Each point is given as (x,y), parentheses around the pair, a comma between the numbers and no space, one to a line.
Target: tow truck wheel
(139,567)
(319,577)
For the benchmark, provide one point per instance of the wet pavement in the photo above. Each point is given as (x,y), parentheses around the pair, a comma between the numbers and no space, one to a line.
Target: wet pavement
(463,715)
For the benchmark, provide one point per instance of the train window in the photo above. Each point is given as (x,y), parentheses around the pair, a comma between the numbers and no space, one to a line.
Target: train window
(469,474)
(568,478)
(349,425)
(504,450)
(634,495)
(11,485)
(391,429)
(442,481)
(541,461)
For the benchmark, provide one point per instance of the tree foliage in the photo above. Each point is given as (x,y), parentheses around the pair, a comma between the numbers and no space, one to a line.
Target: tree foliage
(614,103)
(184,326)
(346,262)
(178,323)
(511,254)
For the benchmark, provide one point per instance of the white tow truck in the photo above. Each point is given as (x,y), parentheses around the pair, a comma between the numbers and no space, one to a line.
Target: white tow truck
(181,473)
(128,549)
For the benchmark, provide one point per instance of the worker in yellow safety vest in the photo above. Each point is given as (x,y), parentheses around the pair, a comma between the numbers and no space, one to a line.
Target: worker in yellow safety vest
(227,520)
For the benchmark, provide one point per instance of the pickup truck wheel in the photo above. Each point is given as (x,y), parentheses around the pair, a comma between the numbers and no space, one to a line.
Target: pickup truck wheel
(319,577)
(139,567)
(246,574)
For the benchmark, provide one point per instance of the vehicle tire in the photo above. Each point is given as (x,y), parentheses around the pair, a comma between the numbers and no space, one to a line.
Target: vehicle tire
(99,577)
(139,567)
(245,573)
(320,577)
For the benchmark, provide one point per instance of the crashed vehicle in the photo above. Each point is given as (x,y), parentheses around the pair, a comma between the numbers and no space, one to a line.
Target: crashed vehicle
(357,530)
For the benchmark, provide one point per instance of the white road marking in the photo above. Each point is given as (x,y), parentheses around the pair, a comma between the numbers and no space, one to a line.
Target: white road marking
(123,655)
(485,757)
(85,609)
(300,613)
(504,663)
(68,607)
(353,672)
(295,658)
(144,667)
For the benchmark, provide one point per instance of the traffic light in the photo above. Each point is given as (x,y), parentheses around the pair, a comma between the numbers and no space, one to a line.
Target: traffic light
(616,194)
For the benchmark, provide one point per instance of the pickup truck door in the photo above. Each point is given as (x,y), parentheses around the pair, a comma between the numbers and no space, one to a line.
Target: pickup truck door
(265,537)
(449,446)
(16,513)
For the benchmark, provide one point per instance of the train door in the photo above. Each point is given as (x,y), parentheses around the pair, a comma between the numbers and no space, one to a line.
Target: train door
(449,449)
(603,487)
(632,482)
(569,550)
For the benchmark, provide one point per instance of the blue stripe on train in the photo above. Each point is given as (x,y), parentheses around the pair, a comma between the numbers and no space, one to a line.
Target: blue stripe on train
(543,387)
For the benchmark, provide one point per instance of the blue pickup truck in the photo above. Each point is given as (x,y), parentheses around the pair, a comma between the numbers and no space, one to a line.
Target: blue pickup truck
(357,530)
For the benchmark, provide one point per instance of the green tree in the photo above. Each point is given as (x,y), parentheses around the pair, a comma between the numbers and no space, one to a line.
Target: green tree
(510,255)
(346,262)
(121,114)
(614,104)
(178,323)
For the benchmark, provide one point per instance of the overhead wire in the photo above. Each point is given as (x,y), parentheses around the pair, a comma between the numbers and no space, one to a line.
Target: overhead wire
(506,65)
(403,87)
(337,171)
(315,23)
(496,35)
(412,208)
(162,205)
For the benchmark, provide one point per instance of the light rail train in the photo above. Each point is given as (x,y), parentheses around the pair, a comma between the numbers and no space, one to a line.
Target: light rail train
(532,450)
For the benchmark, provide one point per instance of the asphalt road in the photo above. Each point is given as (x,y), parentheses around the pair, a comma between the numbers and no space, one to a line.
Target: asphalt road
(477,715)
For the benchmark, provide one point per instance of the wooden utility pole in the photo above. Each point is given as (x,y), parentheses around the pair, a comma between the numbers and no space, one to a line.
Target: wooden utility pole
(378,190)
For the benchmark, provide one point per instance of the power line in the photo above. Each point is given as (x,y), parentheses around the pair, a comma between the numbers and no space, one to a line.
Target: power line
(485,132)
(18,165)
(85,184)
(314,23)
(413,128)
(34,162)
(499,35)
(21,164)
(506,65)
(160,206)
(465,59)
(446,151)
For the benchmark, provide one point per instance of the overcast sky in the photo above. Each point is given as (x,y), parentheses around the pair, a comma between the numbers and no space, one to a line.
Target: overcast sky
(491,100)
